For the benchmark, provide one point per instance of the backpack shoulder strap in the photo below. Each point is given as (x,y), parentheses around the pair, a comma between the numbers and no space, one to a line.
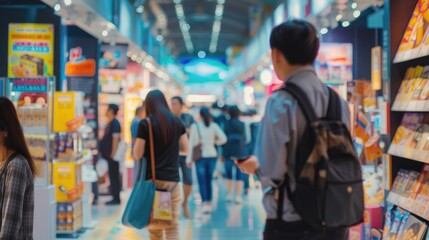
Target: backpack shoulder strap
(334,107)
(302,99)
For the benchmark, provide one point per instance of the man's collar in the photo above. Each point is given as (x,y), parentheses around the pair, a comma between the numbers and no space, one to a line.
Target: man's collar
(298,71)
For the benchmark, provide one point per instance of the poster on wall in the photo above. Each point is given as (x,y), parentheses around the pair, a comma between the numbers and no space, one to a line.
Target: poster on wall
(113,57)
(30,50)
(334,62)
(81,73)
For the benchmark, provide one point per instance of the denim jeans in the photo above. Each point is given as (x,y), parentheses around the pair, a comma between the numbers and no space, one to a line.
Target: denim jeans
(232,171)
(205,169)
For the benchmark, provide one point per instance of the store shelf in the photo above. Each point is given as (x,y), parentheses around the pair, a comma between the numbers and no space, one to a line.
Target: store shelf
(413,204)
(409,153)
(416,57)
(69,232)
(411,106)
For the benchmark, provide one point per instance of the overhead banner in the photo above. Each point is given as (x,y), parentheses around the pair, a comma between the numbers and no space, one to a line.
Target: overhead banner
(30,50)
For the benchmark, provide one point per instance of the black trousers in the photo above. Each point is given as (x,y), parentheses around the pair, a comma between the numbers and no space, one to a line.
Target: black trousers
(115,179)
(280,230)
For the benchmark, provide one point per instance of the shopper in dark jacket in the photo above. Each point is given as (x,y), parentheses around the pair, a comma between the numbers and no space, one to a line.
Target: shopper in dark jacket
(17,169)
(234,148)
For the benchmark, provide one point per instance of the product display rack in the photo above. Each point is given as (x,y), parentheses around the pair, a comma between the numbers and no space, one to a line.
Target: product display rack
(68,161)
(409,112)
(32,98)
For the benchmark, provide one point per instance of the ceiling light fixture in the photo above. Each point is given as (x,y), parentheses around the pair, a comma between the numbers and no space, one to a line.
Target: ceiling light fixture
(345,24)
(105,33)
(339,17)
(324,31)
(202,54)
(140,9)
(159,38)
(68,2)
(57,7)
(354,5)
(356,13)
(184,26)
(217,24)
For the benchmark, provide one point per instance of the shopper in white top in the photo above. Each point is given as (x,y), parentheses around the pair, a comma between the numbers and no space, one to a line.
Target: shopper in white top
(208,134)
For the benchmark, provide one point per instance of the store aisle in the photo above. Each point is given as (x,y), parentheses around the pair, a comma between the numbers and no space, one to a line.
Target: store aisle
(228,221)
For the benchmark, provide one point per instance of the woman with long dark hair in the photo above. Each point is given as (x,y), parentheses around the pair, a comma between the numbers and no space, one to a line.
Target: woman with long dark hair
(17,169)
(207,134)
(169,136)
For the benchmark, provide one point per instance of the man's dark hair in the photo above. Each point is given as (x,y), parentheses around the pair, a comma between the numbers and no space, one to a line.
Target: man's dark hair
(114,108)
(179,100)
(297,40)
(234,112)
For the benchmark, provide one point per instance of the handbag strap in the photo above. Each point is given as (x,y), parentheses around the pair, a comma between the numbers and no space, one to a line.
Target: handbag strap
(152,149)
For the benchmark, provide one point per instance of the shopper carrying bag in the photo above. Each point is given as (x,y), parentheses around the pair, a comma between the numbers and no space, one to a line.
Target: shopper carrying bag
(139,207)
(160,139)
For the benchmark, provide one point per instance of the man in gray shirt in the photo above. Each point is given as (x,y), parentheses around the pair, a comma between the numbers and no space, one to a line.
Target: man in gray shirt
(294,45)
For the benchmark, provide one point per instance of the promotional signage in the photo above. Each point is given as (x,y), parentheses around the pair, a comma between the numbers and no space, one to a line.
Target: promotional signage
(81,72)
(78,66)
(30,50)
(68,111)
(114,57)
(39,84)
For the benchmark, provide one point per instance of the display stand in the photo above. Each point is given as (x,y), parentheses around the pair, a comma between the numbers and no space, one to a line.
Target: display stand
(33,100)
(68,162)
(409,117)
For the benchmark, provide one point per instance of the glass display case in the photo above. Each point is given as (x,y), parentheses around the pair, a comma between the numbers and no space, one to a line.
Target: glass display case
(32,98)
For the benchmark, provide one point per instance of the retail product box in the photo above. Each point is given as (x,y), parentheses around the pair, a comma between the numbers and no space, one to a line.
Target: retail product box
(69,216)
(413,229)
(68,111)
(68,180)
(372,220)
(357,232)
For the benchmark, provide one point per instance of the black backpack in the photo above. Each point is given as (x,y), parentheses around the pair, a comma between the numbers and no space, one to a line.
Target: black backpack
(329,190)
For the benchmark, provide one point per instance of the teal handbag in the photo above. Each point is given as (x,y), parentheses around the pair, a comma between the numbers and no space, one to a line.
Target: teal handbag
(138,211)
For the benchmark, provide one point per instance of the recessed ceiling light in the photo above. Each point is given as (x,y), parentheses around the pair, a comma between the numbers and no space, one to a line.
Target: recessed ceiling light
(140,9)
(345,24)
(159,38)
(324,31)
(57,7)
(104,33)
(68,2)
(356,13)
(339,17)
(354,5)
(202,54)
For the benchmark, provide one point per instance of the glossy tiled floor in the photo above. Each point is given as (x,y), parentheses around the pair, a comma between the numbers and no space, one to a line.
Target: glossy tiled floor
(227,222)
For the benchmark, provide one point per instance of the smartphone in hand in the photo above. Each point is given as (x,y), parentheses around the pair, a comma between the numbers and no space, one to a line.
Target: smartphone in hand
(240,159)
